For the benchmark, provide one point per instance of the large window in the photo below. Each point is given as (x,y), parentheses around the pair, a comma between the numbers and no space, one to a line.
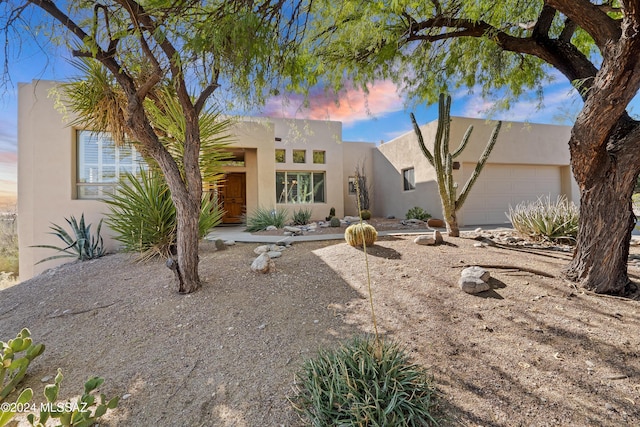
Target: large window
(300,187)
(409,179)
(101,164)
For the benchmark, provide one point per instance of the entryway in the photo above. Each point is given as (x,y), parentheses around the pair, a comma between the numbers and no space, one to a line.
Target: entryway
(233,197)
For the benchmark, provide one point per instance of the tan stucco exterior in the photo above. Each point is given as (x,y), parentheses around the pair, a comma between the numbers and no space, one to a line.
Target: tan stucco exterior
(519,145)
(47,168)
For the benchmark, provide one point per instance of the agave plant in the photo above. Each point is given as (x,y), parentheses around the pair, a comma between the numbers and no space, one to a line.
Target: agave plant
(79,244)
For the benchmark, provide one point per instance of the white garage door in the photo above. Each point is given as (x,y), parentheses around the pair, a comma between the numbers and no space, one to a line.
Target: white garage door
(502,185)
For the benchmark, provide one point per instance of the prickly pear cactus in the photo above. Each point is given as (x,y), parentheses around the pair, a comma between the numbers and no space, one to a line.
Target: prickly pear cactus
(356,234)
(16,356)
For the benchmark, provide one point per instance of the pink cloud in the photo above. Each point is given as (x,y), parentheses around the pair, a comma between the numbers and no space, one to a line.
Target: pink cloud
(353,105)
(8,157)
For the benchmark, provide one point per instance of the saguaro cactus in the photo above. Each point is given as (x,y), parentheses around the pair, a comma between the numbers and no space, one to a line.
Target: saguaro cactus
(442,161)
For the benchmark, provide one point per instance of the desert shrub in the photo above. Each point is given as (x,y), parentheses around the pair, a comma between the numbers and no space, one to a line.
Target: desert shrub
(546,220)
(334,222)
(365,214)
(417,212)
(302,216)
(15,357)
(261,218)
(356,234)
(143,215)
(80,244)
(9,244)
(332,213)
(364,383)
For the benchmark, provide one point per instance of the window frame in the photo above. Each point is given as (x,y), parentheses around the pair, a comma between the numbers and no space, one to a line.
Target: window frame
(284,179)
(284,155)
(304,156)
(408,184)
(324,157)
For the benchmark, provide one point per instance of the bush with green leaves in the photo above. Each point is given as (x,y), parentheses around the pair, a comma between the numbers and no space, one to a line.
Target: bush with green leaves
(302,216)
(364,383)
(262,218)
(417,212)
(79,413)
(546,220)
(15,358)
(81,245)
(143,215)
(8,245)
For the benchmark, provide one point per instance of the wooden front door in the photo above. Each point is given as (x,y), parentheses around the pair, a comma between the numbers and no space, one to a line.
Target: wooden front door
(233,195)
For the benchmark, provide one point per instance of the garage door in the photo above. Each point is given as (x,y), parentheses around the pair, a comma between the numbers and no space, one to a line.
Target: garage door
(502,185)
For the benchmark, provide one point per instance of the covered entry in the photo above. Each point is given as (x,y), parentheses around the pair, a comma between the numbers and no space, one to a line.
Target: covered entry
(233,197)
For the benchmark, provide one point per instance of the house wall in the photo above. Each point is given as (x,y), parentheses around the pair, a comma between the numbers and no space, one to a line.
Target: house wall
(519,145)
(358,154)
(310,135)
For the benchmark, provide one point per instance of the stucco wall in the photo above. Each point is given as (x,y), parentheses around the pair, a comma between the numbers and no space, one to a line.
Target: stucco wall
(358,154)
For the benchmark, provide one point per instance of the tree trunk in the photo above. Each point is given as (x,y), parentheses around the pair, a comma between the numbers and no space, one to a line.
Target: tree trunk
(606,219)
(188,237)
(451,219)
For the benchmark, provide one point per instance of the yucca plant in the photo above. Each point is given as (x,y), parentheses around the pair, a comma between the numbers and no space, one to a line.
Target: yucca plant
(302,216)
(262,218)
(79,244)
(546,220)
(364,383)
(143,215)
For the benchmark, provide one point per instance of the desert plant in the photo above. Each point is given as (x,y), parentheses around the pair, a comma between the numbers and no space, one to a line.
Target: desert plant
(143,215)
(332,213)
(365,214)
(442,161)
(417,212)
(262,218)
(335,222)
(301,216)
(8,243)
(363,188)
(82,245)
(15,358)
(12,408)
(363,384)
(78,413)
(359,233)
(546,220)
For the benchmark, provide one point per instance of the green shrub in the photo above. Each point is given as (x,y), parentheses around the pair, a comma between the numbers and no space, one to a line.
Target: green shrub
(143,215)
(82,245)
(261,218)
(15,358)
(544,220)
(365,214)
(335,222)
(9,244)
(418,213)
(301,216)
(78,413)
(362,384)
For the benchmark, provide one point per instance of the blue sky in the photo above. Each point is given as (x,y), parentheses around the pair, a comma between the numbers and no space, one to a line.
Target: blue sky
(381,116)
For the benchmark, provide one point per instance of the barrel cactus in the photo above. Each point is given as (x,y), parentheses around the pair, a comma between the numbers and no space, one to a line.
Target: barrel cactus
(335,222)
(356,234)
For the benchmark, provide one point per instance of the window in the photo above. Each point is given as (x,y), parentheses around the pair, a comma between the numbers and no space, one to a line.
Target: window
(318,157)
(299,156)
(352,185)
(280,155)
(101,164)
(300,187)
(409,179)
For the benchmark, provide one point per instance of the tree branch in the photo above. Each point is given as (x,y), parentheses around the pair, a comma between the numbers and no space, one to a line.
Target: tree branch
(591,18)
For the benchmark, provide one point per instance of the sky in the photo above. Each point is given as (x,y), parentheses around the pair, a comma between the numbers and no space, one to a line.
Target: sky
(380,116)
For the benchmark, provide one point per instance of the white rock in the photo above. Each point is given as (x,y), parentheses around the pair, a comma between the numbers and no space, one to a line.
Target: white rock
(262,249)
(479,245)
(274,254)
(271,228)
(425,241)
(351,219)
(473,285)
(46,379)
(126,396)
(478,230)
(294,230)
(262,264)
(477,272)
(229,242)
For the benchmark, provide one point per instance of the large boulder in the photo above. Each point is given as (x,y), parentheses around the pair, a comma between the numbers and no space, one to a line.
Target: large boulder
(262,264)
(473,280)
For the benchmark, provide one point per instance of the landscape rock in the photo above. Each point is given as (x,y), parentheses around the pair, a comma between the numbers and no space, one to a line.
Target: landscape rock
(274,254)
(413,222)
(349,219)
(436,223)
(262,249)
(293,230)
(425,241)
(262,264)
(474,279)
(229,242)
(271,228)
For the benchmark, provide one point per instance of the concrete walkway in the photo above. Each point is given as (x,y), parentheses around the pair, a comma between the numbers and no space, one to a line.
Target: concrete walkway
(238,234)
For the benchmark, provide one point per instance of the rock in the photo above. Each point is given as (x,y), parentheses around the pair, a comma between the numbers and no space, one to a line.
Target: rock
(284,242)
(436,223)
(46,379)
(262,264)
(437,237)
(293,230)
(425,241)
(478,230)
(271,228)
(391,217)
(262,249)
(476,271)
(412,222)
(220,245)
(229,242)
(474,279)
(479,245)
(274,254)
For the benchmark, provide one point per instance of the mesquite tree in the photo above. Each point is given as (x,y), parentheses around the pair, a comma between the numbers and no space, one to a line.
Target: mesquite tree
(442,161)
(196,48)
(509,48)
